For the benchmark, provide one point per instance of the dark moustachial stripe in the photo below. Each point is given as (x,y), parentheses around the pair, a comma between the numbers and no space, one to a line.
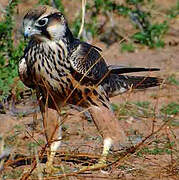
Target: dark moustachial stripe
(45,33)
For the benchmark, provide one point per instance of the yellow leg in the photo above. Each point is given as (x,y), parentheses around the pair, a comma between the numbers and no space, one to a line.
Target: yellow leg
(53,149)
(102,161)
(54,136)
(52,129)
(106,147)
(110,129)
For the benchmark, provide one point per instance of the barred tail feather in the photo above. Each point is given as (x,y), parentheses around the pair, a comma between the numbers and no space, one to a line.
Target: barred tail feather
(116,84)
(114,69)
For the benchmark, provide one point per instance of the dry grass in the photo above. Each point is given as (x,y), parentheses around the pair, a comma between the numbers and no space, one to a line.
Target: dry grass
(155,156)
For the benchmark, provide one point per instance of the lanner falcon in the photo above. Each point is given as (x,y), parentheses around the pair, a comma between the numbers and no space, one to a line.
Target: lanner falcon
(64,70)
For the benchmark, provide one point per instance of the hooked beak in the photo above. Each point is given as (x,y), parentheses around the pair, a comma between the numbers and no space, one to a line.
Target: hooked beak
(28,32)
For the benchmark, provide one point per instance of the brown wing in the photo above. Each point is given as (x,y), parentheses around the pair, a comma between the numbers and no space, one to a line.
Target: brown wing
(86,60)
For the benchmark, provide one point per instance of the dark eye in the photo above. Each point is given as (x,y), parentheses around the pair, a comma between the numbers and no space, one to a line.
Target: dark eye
(42,22)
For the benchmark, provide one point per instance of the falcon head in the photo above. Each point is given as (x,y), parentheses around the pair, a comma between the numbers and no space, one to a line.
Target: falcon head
(45,23)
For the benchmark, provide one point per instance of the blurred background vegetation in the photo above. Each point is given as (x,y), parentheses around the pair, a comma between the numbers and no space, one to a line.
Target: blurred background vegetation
(104,21)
